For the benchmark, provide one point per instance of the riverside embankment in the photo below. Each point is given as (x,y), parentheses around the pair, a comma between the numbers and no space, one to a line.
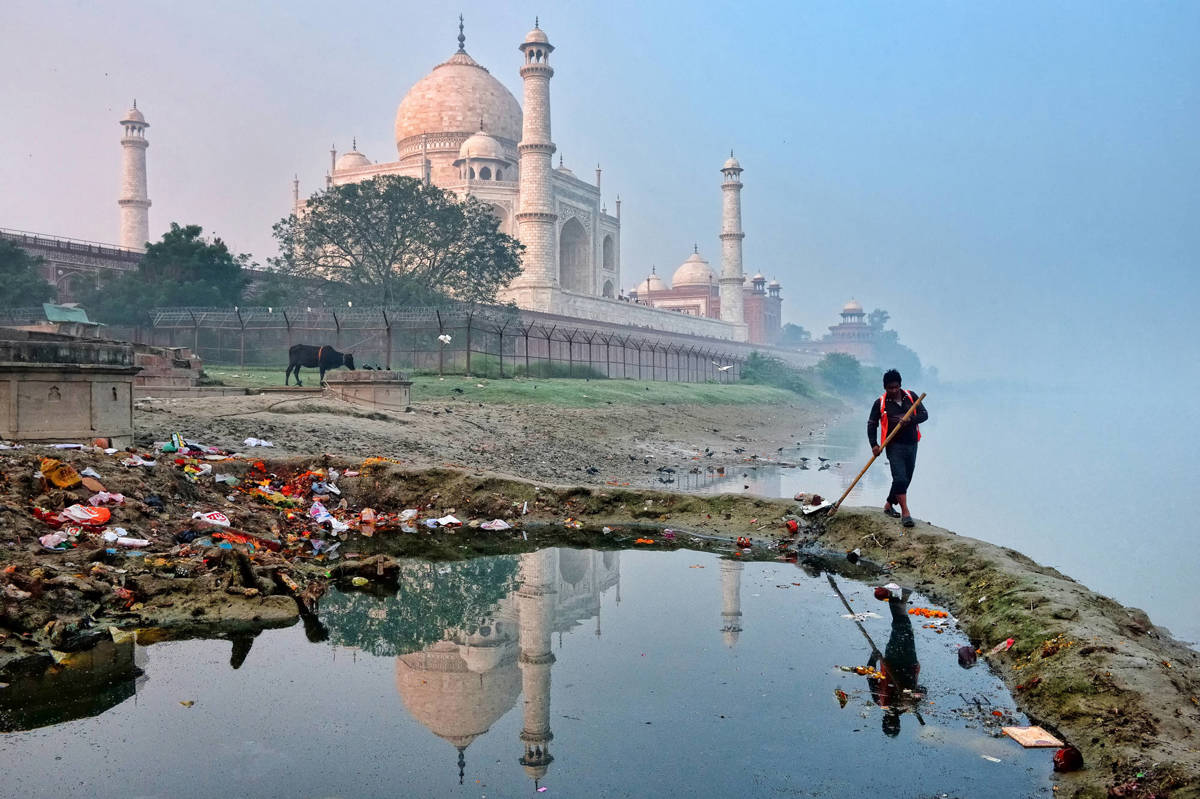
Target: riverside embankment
(1099,674)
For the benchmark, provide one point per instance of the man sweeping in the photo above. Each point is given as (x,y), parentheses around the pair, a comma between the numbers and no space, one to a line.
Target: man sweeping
(886,413)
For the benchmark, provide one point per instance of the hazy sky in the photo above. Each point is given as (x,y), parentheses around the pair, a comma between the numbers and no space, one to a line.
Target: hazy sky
(1017,183)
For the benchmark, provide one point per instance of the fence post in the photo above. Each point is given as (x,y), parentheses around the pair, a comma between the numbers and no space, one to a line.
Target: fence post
(441,345)
(387,324)
(287,321)
(571,352)
(470,319)
(549,348)
(338,336)
(241,338)
(195,334)
(525,331)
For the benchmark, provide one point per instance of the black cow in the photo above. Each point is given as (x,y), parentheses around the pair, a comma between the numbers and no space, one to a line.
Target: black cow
(323,358)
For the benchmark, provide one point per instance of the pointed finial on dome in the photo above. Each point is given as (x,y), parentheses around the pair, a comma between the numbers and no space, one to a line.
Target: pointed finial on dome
(481,124)
(652,268)
(354,143)
(536,22)
(696,248)
(462,39)
(135,102)
(731,152)
(462,763)
(560,163)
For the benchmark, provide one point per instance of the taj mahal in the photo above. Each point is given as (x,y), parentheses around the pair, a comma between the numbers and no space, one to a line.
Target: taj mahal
(460,129)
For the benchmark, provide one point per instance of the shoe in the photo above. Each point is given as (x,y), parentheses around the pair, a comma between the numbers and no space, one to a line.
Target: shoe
(907,521)
(890,511)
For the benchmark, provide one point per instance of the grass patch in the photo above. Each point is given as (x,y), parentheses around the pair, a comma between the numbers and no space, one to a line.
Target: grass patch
(549,391)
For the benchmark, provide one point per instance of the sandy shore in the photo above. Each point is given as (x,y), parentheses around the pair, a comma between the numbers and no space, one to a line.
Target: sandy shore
(1098,674)
(537,442)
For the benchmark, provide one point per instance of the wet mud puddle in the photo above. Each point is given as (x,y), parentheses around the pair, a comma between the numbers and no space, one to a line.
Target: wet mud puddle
(584,673)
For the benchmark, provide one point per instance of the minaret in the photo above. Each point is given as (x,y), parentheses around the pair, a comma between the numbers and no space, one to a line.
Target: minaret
(732,278)
(536,218)
(296,194)
(731,600)
(536,599)
(134,201)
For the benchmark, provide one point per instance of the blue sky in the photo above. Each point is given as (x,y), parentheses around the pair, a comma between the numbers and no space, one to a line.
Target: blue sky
(1017,183)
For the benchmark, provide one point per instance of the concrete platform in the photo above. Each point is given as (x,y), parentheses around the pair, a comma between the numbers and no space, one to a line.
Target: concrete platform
(383,390)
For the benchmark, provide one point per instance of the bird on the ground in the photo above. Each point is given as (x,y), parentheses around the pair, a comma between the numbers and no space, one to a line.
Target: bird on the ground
(822,460)
(824,466)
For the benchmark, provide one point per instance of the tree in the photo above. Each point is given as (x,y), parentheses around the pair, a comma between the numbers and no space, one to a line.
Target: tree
(395,240)
(841,371)
(183,269)
(21,284)
(794,336)
(878,318)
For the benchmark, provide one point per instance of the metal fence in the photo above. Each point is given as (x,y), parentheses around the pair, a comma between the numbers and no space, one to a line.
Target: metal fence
(473,340)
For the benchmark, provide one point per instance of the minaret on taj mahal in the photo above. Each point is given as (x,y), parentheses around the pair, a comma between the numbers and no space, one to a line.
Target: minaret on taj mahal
(536,219)
(732,278)
(134,201)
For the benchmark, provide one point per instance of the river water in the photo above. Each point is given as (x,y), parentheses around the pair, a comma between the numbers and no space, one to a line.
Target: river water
(1097,486)
(587,674)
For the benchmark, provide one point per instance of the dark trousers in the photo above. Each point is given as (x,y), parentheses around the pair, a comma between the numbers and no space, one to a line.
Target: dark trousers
(902,458)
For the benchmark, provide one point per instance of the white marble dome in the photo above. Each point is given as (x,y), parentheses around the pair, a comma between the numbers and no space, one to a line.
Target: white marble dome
(482,145)
(351,160)
(456,97)
(695,271)
(652,283)
(852,307)
(536,36)
(134,115)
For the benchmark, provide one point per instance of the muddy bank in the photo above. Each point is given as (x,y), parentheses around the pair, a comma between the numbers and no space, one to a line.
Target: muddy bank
(609,443)
(1100,675)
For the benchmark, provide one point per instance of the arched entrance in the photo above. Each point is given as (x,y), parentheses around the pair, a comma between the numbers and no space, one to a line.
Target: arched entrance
(574,261)
(610,256)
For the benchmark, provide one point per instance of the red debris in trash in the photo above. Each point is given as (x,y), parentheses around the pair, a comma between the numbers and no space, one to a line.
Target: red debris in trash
(1068,759)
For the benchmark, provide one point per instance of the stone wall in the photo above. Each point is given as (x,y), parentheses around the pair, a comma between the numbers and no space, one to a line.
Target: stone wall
(59,389)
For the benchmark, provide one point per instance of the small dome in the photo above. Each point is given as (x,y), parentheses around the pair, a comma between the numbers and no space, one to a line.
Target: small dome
(536,36)
(134,115)
(694,271)
(758,278)
(652,283)
(774,284)
(481,145)
(351,160)
(852,307)
(731,163)
(566,170)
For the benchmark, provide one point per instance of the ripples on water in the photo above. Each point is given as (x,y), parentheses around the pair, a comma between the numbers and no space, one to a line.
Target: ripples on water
(588,673)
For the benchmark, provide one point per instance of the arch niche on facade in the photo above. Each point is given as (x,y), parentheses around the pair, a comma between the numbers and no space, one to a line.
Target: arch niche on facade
(574,263)
(501,214)
(609,254)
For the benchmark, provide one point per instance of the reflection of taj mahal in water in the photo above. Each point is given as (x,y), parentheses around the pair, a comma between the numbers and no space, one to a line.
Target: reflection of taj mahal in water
(461,685)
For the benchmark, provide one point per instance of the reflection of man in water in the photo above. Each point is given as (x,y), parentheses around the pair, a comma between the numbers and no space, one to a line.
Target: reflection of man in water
(897,691)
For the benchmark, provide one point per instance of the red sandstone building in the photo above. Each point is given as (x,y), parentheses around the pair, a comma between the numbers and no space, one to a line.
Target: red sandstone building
(694,290)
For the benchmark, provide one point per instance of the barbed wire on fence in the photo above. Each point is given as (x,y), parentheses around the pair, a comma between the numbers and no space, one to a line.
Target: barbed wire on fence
(451,339)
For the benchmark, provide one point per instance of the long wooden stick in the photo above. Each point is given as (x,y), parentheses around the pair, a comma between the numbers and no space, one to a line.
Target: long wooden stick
(842,597)
(891,435)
